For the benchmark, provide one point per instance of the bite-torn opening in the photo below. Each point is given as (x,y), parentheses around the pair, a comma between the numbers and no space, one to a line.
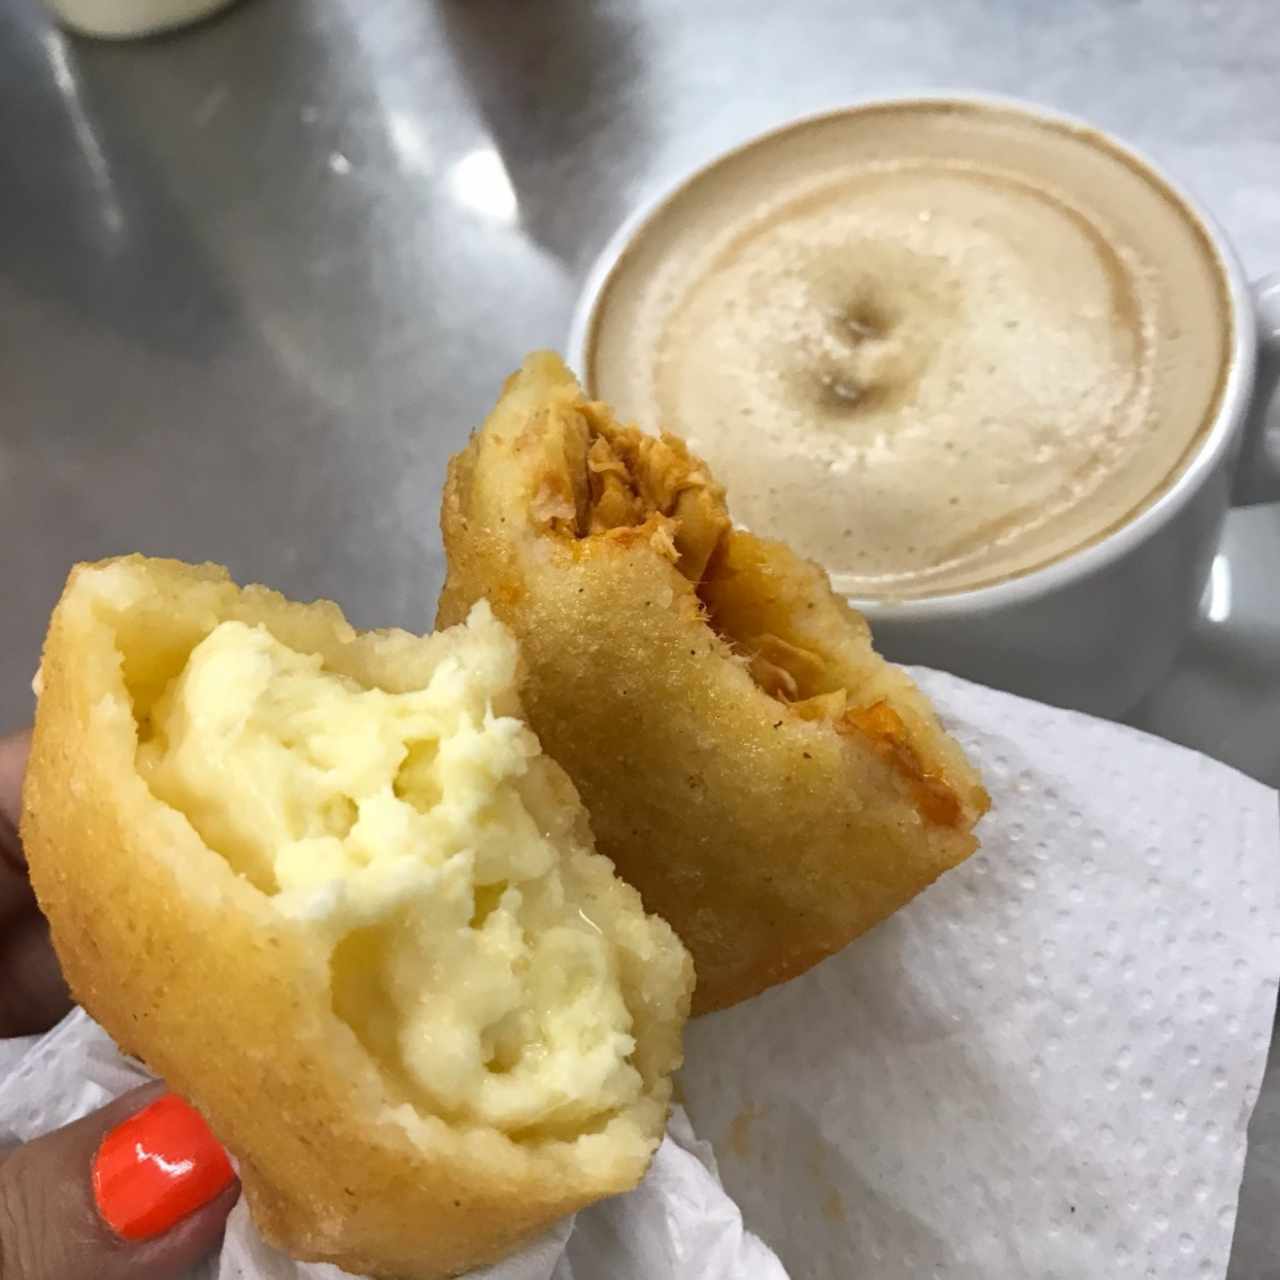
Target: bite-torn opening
(603,480)
(424,840)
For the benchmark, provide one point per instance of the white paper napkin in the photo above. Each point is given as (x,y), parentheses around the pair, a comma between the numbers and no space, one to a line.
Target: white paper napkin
(1043,1066)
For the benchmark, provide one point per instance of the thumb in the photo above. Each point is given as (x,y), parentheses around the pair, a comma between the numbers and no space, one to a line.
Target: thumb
(137,1191)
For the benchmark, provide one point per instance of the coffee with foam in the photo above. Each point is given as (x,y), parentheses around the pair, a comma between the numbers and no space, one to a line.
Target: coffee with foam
(933,345)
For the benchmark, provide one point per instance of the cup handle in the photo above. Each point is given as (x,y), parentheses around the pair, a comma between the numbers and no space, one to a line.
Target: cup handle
(1257,476)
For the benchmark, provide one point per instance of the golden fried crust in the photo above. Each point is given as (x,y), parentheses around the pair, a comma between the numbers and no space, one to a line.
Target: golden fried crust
(769,783)
(188,967)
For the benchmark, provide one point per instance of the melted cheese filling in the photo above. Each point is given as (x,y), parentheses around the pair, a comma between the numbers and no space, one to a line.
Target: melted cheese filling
(405,828)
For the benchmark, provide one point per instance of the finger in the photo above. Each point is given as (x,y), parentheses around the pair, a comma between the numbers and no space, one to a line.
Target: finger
(33,993)
(137,1191)
(15,892)
(15,889)
(14,749)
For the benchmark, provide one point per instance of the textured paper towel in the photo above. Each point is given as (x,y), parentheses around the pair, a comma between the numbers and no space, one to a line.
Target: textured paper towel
(1043,1066)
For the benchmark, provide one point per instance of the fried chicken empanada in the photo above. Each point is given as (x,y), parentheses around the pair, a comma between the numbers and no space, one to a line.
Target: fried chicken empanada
(767,781)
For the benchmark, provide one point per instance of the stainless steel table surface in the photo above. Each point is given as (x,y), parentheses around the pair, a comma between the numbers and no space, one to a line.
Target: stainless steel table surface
(259,279)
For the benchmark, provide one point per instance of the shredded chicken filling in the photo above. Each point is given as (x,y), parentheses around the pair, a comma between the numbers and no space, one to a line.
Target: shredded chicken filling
(620,483)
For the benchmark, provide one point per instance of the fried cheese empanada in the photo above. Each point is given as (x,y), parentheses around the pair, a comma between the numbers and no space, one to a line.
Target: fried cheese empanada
(326,884)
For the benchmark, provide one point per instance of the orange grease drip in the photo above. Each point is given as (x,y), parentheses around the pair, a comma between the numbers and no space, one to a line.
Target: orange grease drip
(882,726)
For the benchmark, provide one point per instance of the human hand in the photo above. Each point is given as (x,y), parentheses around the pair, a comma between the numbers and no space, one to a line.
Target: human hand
(33,995)
(139,1190)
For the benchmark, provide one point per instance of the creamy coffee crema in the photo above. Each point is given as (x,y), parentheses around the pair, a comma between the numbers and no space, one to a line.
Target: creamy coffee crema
(932,345)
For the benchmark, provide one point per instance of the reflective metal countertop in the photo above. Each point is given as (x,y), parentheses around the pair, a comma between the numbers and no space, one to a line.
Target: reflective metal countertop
(260,278)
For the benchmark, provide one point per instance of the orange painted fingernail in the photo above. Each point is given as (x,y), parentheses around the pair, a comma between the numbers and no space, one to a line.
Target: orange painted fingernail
(155,1168)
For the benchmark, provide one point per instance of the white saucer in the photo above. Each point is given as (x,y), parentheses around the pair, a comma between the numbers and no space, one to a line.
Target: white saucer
(1223,696)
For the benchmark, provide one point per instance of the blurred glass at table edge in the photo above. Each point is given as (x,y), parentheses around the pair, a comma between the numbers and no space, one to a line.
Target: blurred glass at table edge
(130,19)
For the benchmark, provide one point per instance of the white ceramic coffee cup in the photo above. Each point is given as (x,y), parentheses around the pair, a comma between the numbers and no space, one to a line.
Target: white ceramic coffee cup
(1099,628)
